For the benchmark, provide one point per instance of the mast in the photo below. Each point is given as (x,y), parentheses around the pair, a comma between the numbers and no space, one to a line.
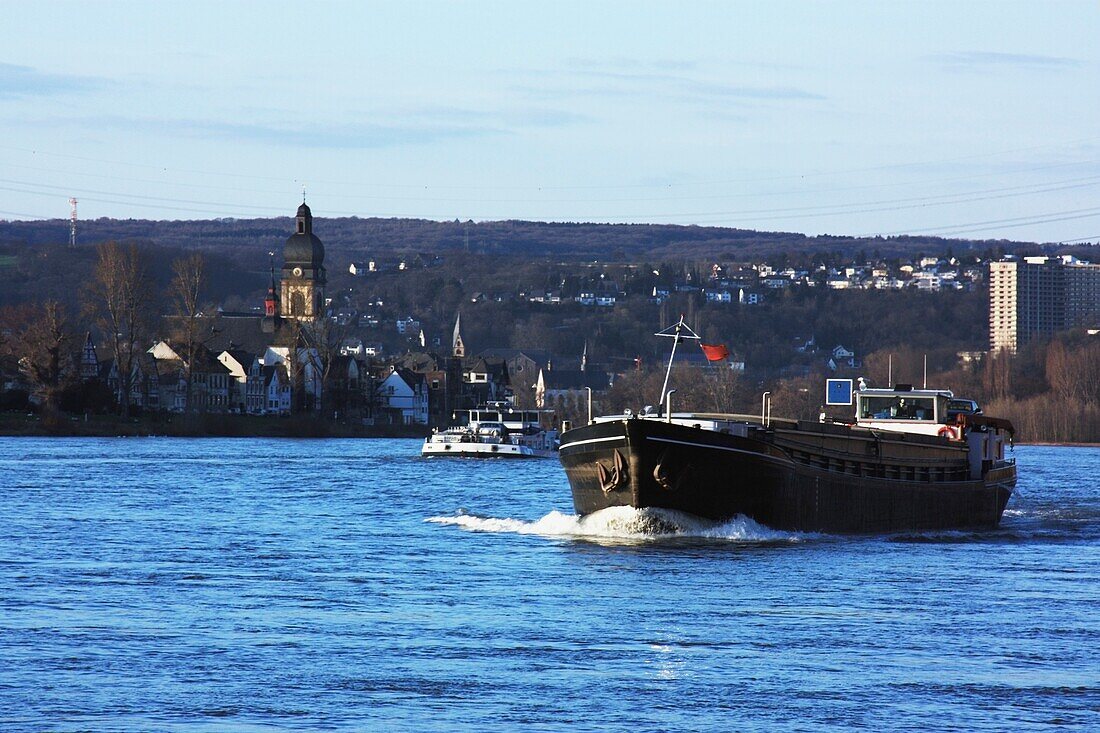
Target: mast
(677,334)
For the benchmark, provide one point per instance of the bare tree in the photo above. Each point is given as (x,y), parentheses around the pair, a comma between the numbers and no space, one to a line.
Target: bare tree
(721,385)
(39,338)
(327,335)
(119,295)
(296,338)
(997,375)
(1073,370)
(188,281)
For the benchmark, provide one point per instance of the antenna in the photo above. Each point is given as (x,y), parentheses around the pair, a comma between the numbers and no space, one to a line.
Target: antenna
(303,193)
(925,371)
(676,332)
(72,222)
(890,371)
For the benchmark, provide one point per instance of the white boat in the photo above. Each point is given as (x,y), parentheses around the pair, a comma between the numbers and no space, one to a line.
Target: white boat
(495,430)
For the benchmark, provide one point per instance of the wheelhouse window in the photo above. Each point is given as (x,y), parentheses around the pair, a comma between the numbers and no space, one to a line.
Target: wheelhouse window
(896,407)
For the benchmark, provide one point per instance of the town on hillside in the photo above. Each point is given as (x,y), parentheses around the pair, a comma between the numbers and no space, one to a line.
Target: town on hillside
(393,341)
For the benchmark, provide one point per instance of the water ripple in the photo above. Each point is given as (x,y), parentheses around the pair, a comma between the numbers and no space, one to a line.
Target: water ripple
(263,585)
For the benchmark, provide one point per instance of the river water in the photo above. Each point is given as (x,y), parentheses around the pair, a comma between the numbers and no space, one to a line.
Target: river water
(161,584)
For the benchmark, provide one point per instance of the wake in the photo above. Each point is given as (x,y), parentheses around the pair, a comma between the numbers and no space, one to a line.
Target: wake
(627,524)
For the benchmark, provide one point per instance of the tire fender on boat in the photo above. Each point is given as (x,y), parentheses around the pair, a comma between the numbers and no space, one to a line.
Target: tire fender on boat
(667,477)
(949,432)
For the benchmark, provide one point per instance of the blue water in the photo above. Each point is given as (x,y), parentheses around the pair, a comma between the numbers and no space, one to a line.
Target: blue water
(259,585)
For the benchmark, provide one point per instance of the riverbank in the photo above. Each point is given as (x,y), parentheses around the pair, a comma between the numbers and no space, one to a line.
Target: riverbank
(198,426)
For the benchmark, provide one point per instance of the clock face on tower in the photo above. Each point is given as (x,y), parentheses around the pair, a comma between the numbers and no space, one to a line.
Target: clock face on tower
(297,272)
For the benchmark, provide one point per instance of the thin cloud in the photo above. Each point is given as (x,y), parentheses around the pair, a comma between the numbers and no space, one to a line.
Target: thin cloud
(347,136)
(746,92)
(25,81)
(421,128)
(627,62)
(991,59)
(512,118)
(605,82)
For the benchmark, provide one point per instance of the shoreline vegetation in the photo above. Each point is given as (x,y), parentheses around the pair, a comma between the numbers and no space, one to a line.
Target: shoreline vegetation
(209,425)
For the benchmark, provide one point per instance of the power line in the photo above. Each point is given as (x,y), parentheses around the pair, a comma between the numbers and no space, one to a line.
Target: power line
(785,213)
(1012,223)
(589,200)
(22,215)
(466,186)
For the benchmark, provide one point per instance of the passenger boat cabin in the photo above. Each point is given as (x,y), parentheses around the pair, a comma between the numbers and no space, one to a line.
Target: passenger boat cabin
(501,414)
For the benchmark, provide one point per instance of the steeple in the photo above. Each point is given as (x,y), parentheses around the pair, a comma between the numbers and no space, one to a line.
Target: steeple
(271,307)
(458,348)
(302,290)
(584,356)
(305,220)
(89,362)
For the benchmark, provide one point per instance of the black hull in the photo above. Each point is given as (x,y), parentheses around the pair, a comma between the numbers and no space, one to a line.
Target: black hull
(647,463)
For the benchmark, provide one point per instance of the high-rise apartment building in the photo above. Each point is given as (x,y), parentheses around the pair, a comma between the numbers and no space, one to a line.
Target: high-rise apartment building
(1040,296)
(1002,305)
(1082,288)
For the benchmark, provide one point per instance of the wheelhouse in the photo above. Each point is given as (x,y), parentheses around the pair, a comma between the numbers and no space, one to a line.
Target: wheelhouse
(903,409)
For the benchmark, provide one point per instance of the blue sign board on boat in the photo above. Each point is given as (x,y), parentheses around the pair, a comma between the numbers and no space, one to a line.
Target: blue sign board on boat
(838,391)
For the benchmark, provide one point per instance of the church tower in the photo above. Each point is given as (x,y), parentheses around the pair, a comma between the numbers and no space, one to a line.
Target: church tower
(302,291)
(458,348)
(271,305)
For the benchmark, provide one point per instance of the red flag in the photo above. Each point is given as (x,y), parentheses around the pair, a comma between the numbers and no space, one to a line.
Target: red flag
(715,353)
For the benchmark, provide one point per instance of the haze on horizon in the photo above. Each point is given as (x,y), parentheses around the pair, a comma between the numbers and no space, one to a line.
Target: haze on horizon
(976,120)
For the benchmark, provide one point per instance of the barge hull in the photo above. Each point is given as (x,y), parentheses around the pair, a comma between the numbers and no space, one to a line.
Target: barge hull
(648,463)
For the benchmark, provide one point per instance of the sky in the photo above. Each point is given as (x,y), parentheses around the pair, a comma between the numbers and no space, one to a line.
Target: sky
(971,120)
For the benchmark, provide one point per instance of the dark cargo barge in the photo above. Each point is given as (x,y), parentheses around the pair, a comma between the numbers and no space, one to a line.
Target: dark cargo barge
(801,476)
(906,461)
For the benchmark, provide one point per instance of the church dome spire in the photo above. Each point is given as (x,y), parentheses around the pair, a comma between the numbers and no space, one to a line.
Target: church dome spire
(303,276)
(303,247)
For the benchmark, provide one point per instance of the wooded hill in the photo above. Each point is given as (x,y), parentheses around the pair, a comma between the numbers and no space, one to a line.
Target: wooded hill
(356,238)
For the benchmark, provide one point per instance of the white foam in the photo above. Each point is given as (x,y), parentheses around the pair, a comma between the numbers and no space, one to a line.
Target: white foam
(626,523)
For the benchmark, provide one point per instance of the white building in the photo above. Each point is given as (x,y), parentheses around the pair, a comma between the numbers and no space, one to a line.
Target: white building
(745,297)
(927,281)
(403,396)
(408,326)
